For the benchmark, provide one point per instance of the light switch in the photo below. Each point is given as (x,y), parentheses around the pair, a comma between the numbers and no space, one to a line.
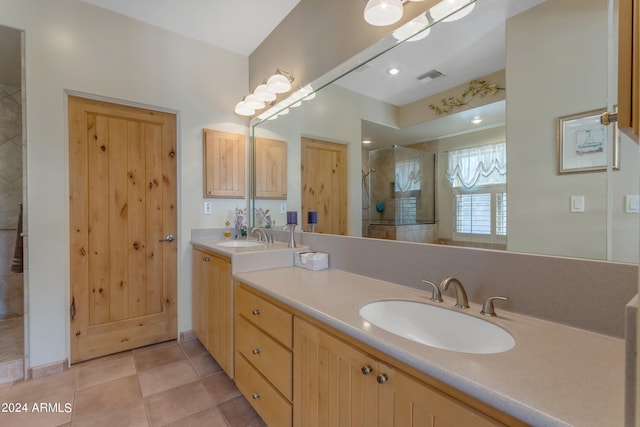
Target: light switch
(283,207)
(577,203)
(208,208)
(632,204)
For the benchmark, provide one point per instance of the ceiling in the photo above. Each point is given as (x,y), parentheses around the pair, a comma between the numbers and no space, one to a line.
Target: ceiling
(238,26)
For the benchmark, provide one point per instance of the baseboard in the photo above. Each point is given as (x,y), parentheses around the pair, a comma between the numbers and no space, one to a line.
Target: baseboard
(187,336)
(48,369)
(11,371)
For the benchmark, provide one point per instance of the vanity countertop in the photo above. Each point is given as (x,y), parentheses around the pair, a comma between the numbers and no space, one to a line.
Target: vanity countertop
(554,376)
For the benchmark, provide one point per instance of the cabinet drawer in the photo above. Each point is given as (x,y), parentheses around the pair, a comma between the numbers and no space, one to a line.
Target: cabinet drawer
(266,316)
(272,359)
(272,407)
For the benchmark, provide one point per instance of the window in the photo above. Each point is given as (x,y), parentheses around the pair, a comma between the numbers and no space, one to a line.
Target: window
(478,178)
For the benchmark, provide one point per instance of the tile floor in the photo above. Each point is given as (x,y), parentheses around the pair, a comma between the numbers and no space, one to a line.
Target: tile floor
(168,384)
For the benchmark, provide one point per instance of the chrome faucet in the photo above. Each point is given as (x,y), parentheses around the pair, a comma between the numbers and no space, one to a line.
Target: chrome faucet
(461,295)
(436,296)
(262,235)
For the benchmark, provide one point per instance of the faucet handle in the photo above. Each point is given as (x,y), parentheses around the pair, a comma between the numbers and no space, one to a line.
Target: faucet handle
(487,307)
(436,295)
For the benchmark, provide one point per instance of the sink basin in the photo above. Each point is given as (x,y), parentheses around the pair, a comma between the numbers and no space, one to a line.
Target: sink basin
(437,327)
(240,244)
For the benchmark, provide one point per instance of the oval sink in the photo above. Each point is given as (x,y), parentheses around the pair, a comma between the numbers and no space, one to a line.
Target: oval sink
(437,327)
(240,244)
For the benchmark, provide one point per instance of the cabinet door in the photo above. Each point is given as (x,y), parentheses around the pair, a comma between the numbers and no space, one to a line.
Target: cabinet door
(330,387)
(220,314)
(629,66)
(270,169)
(199,296)
(408,402)
(224,164)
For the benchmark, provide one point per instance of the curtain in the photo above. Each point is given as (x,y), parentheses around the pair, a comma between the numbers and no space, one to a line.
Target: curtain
(486,164)
(408,174)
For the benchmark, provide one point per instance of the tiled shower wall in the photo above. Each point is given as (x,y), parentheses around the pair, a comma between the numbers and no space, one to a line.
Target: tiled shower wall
(11,286)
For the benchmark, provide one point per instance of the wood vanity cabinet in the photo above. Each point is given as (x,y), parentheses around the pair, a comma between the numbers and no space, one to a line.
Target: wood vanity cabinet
(212,311)
(338,384)
(270,168)
(297,371)
(224,164)
(264,358)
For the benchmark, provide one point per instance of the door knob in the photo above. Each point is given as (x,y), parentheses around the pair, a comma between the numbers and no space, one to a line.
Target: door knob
(607,118)
(169,238)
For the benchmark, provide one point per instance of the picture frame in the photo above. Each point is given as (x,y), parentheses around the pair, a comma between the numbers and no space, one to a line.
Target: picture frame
(582,142)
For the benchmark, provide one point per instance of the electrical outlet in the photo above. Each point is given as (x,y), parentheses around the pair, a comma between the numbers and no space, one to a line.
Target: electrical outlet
(208,208)
(283,207)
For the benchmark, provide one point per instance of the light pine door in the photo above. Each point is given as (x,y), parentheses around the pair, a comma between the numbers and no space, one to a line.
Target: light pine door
(324,185)
(122,178)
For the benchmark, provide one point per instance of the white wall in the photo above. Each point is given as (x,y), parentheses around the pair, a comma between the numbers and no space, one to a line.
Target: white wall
(557,66)
(74,46)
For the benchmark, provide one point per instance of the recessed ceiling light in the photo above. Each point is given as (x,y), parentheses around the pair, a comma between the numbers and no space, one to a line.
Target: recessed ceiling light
(476,120)
(366,141)
(393,71)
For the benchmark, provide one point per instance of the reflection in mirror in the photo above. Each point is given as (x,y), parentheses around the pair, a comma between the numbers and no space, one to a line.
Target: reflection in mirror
(544,72)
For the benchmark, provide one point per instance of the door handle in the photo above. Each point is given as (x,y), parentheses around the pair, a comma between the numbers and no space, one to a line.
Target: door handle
(169,238)
(607,118)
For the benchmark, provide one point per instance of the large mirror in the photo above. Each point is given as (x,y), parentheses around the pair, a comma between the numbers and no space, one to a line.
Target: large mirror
(495,83)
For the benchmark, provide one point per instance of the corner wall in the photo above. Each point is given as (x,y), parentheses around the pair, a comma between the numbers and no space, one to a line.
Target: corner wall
(71,45)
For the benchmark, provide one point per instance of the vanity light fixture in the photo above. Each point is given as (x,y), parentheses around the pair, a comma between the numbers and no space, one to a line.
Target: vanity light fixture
(444,10)
(243,109)
(263,93)
(384,12)
(280,82)
(417,26)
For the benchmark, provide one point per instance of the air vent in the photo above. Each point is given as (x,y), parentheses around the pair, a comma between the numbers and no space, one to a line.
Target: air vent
(430,75)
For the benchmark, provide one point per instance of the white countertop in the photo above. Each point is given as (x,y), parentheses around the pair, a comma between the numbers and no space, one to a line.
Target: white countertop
(554,376)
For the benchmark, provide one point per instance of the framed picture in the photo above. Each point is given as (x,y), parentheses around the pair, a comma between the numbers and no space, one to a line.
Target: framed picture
(582,143)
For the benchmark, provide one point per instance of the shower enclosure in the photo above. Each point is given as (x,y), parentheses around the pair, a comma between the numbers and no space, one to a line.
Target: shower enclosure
(401,190)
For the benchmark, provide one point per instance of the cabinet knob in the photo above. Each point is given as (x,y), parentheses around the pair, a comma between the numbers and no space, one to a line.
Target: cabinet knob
(255,312)
(206,259)
(366,370)
(382,378)
(255,396)
(255,351)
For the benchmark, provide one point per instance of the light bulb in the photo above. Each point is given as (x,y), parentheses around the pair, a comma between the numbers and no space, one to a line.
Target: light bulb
(278,84)
(244,110)
(383,12)
(443,10)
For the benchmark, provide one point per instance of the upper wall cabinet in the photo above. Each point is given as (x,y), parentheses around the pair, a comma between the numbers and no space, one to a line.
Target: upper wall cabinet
(224,164)
(629,67)
(270,169)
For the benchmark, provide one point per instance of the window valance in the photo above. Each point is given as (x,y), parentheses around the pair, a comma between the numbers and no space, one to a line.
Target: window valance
(482,165)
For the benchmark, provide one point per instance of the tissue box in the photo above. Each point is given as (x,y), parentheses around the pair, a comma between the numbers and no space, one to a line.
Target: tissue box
(311,260)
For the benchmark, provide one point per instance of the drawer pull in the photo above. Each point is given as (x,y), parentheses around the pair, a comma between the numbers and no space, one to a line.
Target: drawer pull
(255,351)
(255,396)
(366,370)
(382,378)
(255,312)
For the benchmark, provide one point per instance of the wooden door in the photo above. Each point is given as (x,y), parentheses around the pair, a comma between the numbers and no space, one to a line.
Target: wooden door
(330,387)
(324,185)
(122,178)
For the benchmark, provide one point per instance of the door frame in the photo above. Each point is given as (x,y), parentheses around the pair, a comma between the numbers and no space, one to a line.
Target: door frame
(178,238)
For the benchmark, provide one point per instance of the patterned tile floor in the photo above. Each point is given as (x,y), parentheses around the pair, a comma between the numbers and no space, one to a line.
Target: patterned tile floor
(168,384)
